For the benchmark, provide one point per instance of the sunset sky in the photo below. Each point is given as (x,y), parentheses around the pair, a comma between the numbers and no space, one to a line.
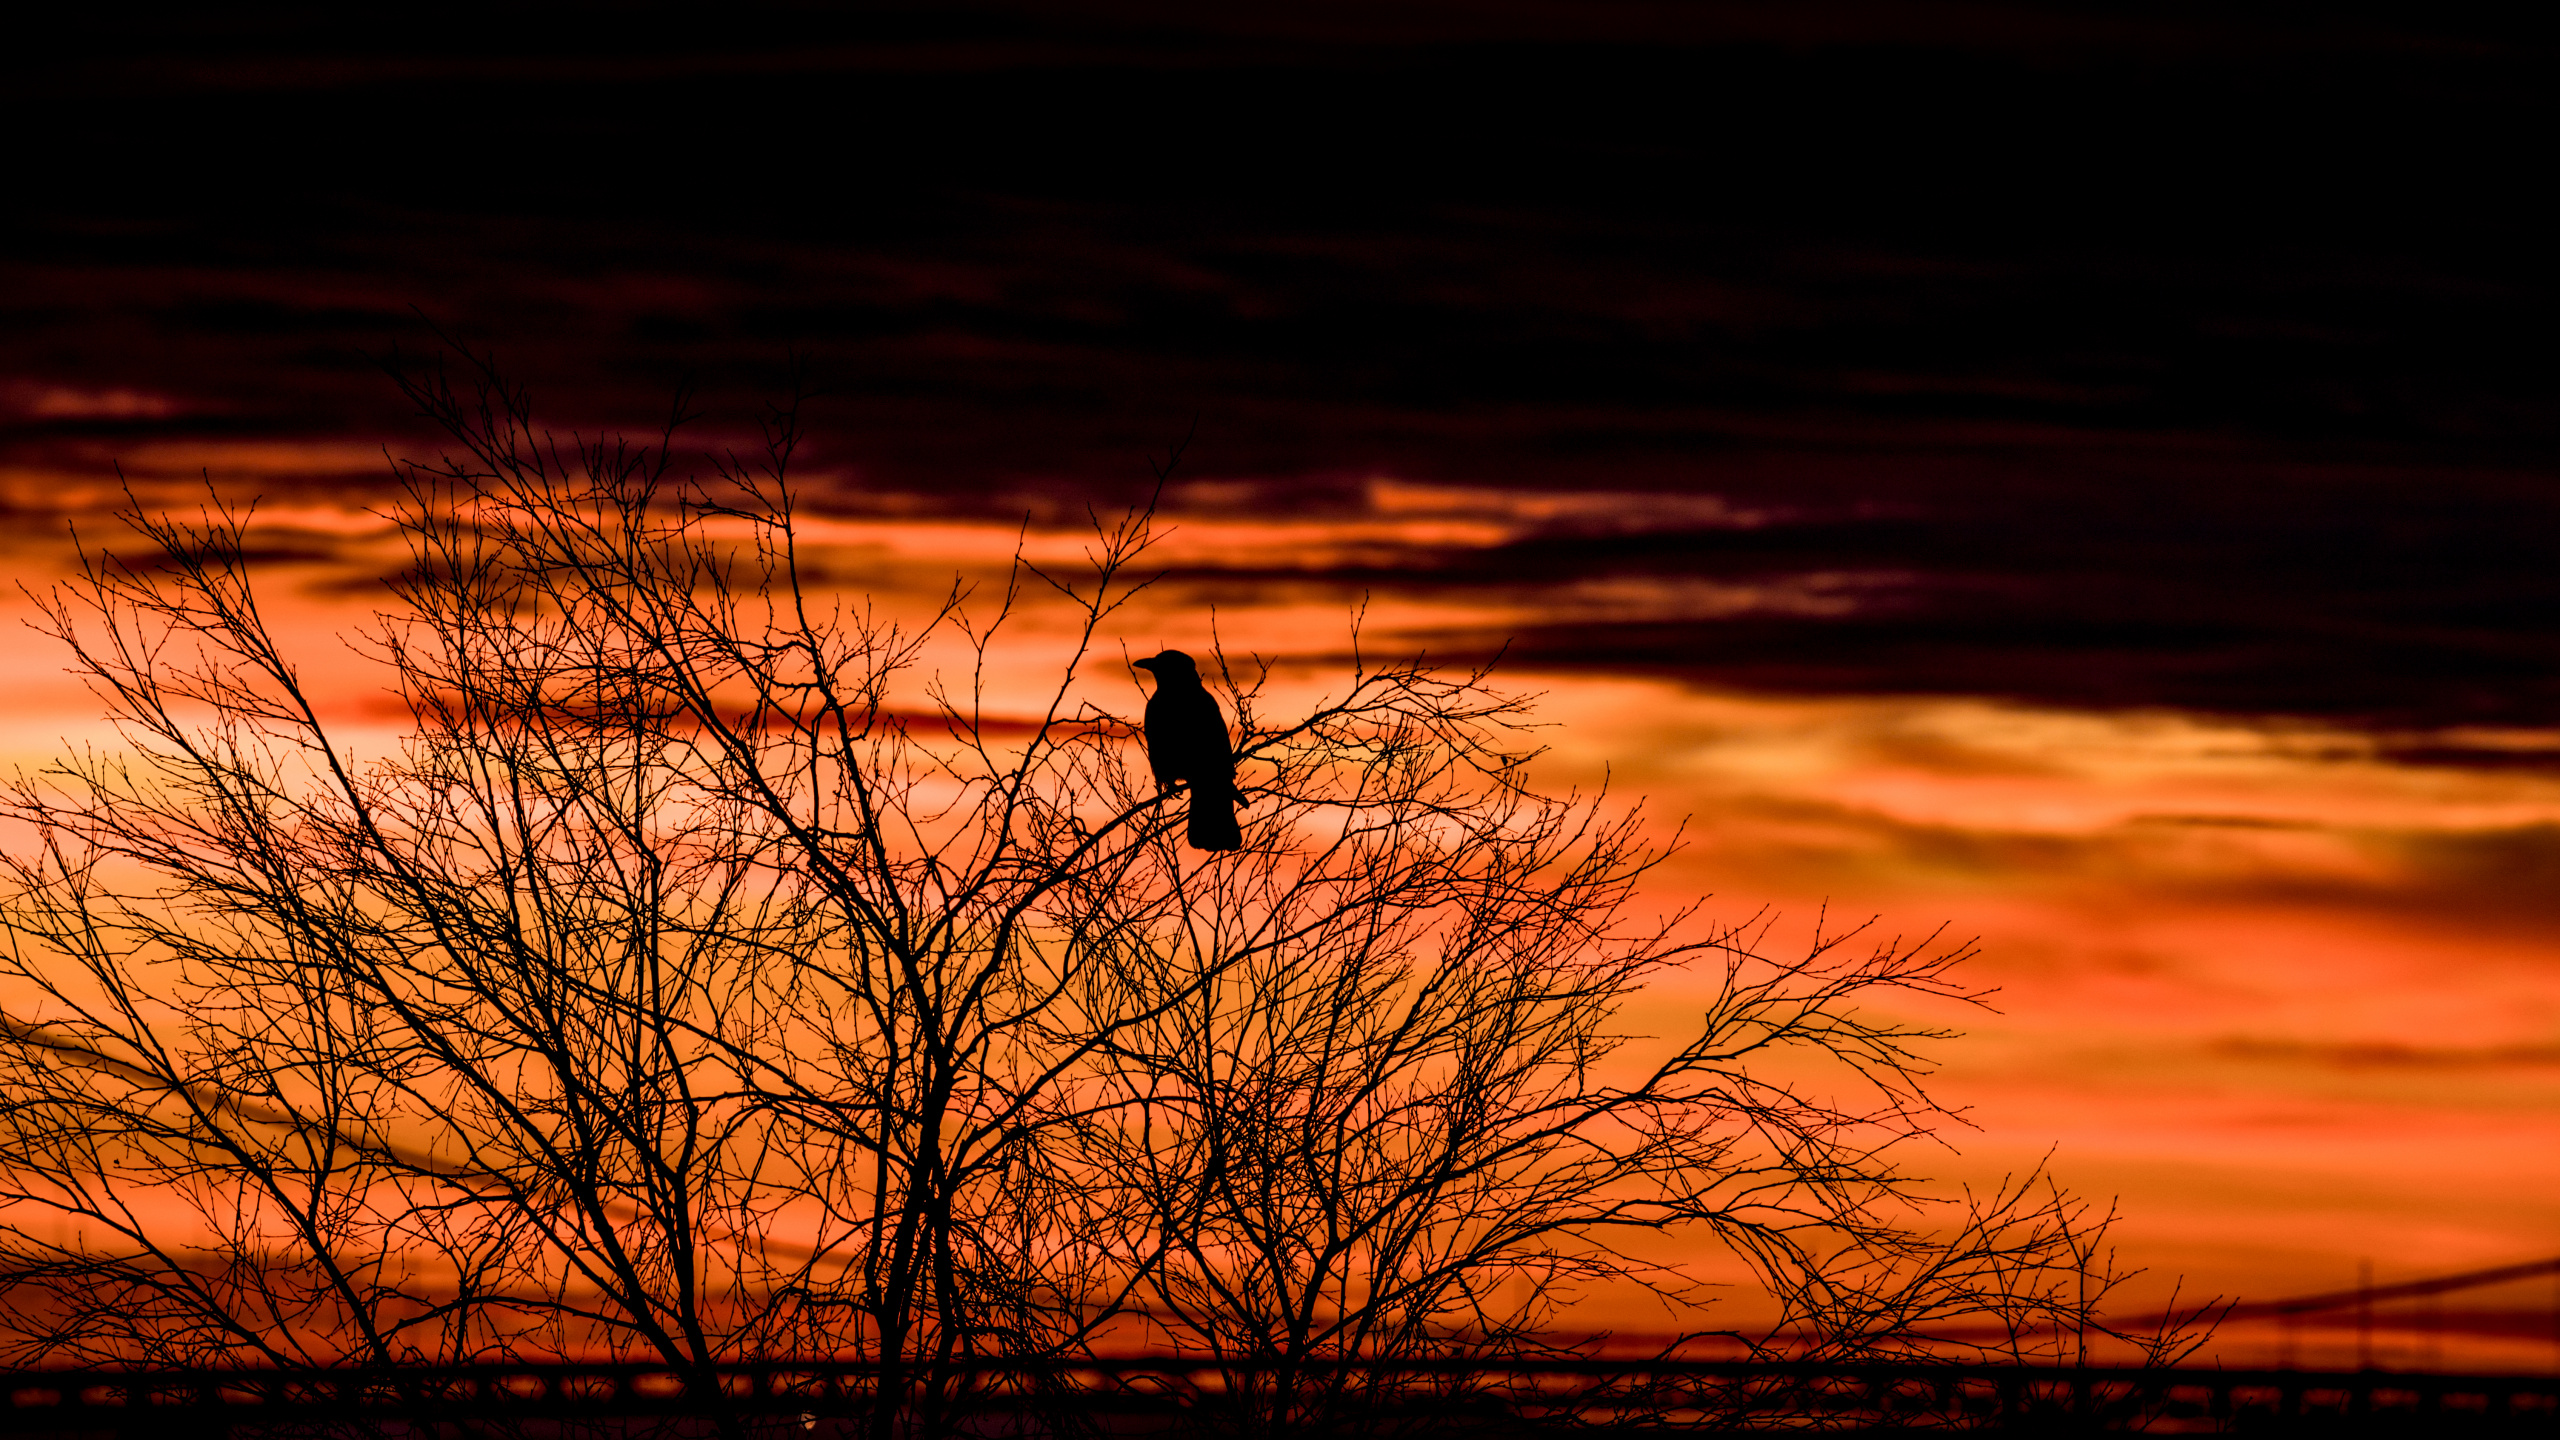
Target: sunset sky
(2087,480)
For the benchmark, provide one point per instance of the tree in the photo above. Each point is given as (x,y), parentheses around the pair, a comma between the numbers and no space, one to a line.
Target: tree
(707,977)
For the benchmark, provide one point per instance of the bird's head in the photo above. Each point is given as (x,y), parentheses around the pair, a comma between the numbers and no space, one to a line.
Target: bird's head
(1169,665)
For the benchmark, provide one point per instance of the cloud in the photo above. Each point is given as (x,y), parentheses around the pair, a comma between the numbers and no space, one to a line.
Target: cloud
(2383,1055)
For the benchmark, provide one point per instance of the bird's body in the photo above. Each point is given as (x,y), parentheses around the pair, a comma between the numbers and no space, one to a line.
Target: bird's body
(1187,741)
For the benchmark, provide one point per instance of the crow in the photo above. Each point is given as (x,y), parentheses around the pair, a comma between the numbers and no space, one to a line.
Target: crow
(1187,740)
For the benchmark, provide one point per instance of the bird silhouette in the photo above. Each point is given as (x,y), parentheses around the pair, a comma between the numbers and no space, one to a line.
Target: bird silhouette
(1187,740)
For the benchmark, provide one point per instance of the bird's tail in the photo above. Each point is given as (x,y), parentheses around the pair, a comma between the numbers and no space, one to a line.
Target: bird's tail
(1211,825)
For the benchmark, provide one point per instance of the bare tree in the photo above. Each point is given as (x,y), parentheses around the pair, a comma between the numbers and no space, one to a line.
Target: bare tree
(1406,1121)
(704,978)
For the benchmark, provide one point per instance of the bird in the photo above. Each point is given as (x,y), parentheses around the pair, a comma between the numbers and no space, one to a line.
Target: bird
(1187,740)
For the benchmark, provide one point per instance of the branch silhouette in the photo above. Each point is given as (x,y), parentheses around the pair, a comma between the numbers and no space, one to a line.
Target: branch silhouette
(710,973)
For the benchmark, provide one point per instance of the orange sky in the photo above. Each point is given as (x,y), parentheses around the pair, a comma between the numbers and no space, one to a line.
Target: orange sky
(2290,1001)
(1924,446)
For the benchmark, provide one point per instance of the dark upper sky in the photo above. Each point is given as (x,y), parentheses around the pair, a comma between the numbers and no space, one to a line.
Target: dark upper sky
(2192,356)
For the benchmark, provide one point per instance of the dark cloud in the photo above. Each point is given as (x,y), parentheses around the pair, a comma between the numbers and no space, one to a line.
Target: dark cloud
(2381,598)
(2192,359)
